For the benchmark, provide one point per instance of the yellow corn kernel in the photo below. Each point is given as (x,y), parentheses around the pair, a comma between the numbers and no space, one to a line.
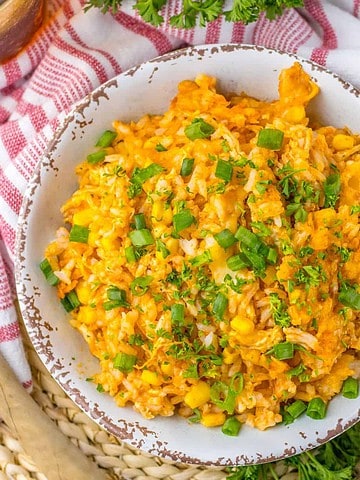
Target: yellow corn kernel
(87,315)
(92,239)
(295,114)
(217,252)
(172,244)
(150,377)
(151,143)
(213,419)
(83,291)
(157,210)
(110,243)
(342,142)
(167,216)
(167,368)
(159,256)
(83,217)
(197,395)
(242,325)
(228,357)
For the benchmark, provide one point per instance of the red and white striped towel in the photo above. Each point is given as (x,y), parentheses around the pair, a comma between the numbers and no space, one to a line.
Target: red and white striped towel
(74,52)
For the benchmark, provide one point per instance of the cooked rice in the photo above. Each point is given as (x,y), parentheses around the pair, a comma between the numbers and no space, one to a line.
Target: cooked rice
(278,194)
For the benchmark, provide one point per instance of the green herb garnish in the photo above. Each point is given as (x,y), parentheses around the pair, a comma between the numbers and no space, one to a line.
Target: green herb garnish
(50,276)
(201,12)
(124,362)
(106,139)
(270,138)
(198,128)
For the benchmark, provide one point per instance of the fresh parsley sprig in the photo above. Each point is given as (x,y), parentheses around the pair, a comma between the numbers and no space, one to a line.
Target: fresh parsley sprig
(200,11)
(335,460)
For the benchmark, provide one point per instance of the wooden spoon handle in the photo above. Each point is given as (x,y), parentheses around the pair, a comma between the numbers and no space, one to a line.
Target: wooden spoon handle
(54,454)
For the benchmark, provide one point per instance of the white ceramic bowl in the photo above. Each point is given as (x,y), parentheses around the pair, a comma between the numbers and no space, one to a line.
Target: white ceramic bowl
(148,89)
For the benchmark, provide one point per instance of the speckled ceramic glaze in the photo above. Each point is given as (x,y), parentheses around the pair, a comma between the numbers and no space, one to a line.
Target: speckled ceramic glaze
(148,89)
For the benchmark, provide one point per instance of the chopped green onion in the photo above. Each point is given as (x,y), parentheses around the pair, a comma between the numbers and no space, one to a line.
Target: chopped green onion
(117,294)
(295,409)
(224,170)
(349,297)
(117,298)
(256,260)
(225,238)
(201,259)
(160,148)
(111,304)
(106,139)
(139,220)
(224,396)
(48,272)
(96,157)
(177,313)
(161,247)
(141,238)
(263,230)
(332,187)
(140,285)
(283,351)
(237,383)
(316,409)
(198,128)
(296,371)
(70,302)
(250,239)
(270,138)
(79,233)
(187,167)
(124,362)
(231,427)
(350,388)
(237,262)
(220,305)
(272,256)
(130,254)
(182,220)
(196,417)
(141,175)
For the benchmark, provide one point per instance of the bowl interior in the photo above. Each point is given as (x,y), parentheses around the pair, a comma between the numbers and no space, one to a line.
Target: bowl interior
(149,89)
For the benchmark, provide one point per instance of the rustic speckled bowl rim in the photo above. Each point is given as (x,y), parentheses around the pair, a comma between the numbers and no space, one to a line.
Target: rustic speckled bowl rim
(170,438)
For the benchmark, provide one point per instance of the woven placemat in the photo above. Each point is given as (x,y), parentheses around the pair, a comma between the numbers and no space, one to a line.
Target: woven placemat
(119,460)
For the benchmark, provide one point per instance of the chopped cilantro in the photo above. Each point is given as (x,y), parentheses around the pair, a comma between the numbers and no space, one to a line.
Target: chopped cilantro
(279,311)
(332,186)
(310,276)
(344,253)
